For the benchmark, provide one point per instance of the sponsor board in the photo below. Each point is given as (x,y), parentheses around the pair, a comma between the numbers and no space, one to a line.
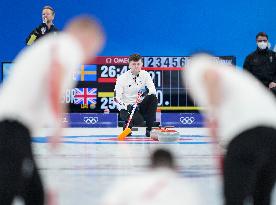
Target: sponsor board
(90,119)
(182,119)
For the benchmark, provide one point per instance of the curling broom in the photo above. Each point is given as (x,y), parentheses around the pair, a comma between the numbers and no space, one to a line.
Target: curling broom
(127,130)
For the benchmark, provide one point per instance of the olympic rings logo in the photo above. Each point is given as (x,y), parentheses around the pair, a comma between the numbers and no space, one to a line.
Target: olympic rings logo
(187,120)
(90,120)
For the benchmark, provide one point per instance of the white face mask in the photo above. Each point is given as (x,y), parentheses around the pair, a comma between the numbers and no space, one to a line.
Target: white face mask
(262,45)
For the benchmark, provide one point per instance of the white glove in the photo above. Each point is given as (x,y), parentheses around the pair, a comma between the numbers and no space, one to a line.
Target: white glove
(140,96)
(121,106)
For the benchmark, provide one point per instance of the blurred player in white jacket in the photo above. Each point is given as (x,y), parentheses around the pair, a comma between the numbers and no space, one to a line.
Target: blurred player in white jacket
(30,99)
(161,185)
(241,114)
(126,90)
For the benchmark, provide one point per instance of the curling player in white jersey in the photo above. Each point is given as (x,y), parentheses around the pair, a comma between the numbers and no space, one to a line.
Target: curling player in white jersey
(30,99)
(241,114)
(126,90)
(160,185)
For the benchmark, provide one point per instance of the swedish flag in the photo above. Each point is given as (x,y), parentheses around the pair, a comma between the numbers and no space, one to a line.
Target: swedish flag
(87,73)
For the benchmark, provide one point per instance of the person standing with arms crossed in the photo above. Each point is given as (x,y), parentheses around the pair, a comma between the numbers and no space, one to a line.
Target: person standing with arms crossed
(47,26)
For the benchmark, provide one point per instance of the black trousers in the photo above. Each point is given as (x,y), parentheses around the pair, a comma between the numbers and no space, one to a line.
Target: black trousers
(18,172)
(250,167)
(146,112)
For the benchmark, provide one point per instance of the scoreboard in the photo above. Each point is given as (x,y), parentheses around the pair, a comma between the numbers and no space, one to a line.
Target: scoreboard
(96,82)
(101,75)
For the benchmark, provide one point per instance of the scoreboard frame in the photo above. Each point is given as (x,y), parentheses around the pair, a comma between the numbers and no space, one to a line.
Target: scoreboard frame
(110,67)
(164,70)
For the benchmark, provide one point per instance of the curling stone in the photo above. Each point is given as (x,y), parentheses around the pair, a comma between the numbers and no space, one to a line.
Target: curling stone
(167,135)
(154,133)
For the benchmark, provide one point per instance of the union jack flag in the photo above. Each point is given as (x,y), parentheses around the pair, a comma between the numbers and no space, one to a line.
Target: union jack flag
(85,96)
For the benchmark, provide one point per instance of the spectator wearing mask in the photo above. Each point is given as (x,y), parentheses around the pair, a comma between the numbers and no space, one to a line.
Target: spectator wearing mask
(262,62)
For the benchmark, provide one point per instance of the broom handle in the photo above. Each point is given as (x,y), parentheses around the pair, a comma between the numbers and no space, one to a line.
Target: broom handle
(133,109)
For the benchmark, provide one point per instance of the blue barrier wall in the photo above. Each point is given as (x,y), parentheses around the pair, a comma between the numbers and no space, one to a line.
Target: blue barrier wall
(90,120)
(156,27)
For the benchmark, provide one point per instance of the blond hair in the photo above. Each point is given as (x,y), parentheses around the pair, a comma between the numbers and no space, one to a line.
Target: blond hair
(50,8)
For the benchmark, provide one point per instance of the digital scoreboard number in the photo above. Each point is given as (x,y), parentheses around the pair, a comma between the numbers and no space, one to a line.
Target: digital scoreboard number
(165,72)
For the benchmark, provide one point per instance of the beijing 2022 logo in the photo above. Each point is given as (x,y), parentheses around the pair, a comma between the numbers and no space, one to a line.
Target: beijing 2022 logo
(187,120)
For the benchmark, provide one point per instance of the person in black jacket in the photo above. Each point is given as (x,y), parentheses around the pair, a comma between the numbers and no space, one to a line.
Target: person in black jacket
(262,62)
(47,26)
